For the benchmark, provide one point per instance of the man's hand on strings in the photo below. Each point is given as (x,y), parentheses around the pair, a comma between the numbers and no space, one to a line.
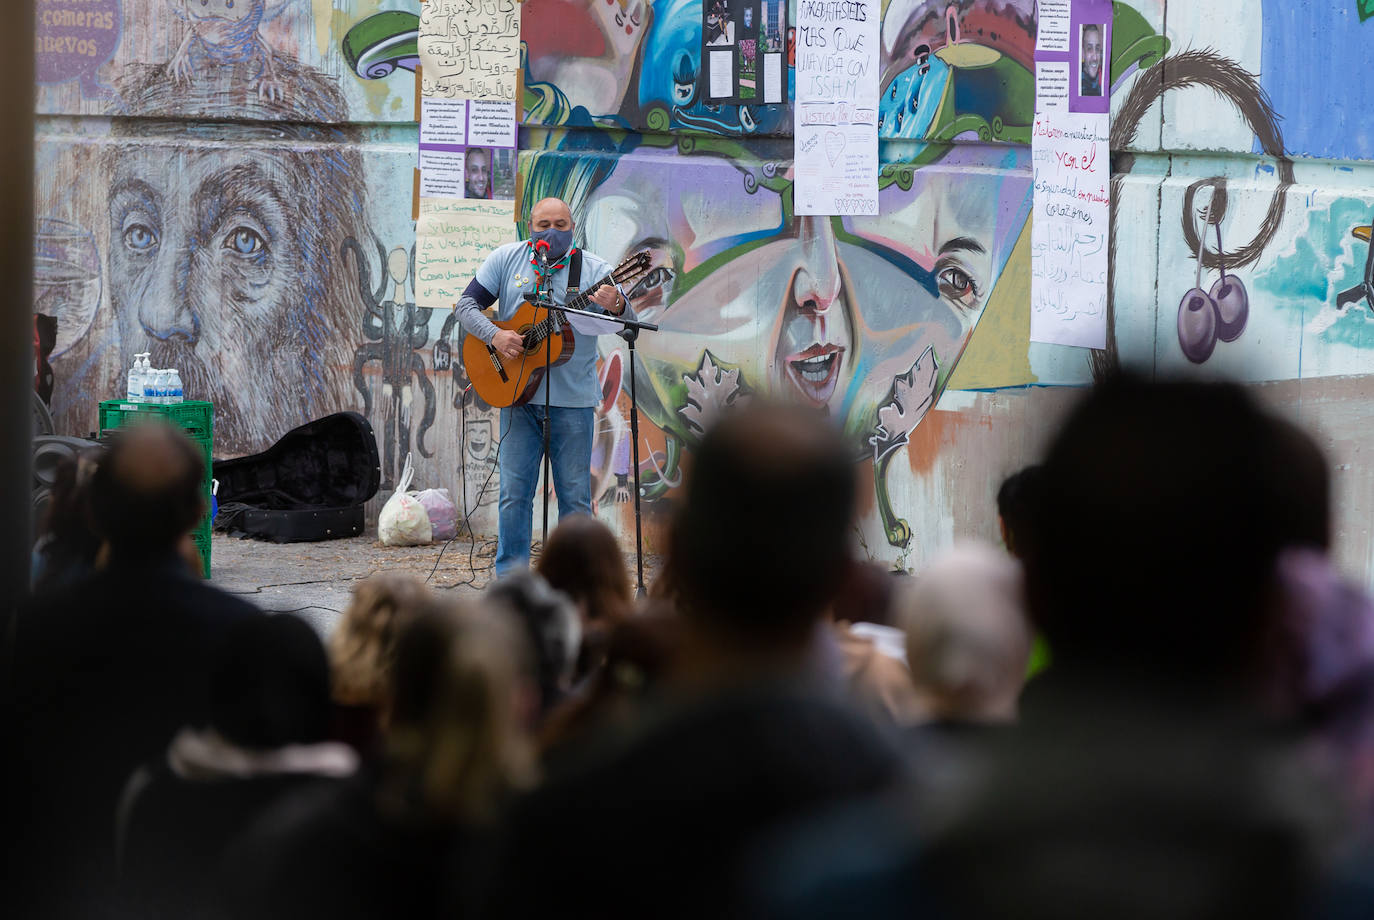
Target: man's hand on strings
(606,298)
(510,344)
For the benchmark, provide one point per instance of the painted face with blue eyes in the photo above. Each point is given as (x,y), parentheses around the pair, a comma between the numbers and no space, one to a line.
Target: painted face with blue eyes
(826,312)
(204,263)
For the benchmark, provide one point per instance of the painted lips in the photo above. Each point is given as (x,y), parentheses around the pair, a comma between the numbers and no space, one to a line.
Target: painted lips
(816,371)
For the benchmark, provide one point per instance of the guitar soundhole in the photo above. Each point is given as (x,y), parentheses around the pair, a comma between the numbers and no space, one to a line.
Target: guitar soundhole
(524,333)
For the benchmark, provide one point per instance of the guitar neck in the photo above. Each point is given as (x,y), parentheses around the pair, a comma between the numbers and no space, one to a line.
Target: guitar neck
(556,319)
(584,297)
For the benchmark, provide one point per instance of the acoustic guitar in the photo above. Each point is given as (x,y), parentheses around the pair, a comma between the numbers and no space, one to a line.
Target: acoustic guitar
(502,381)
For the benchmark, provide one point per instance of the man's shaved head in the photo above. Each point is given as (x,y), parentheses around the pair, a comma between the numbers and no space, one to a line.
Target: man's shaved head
(149,491)
(551,212)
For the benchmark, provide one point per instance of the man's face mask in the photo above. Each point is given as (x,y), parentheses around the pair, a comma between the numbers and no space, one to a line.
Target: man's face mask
(558,240)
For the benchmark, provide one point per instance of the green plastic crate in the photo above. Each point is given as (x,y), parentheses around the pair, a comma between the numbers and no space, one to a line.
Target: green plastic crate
(193,417)
(201,538)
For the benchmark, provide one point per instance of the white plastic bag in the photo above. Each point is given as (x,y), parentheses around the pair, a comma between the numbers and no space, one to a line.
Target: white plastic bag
(403,521)
(443,513)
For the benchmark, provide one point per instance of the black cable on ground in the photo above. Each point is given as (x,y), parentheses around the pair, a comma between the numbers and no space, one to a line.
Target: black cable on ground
(471,581)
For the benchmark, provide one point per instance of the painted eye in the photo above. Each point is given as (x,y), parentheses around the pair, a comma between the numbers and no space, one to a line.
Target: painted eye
(245,242)
(660,277)
(140,237)
(956,283)
(229,5)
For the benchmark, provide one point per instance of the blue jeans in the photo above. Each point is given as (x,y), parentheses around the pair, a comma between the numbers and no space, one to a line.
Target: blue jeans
(521,453)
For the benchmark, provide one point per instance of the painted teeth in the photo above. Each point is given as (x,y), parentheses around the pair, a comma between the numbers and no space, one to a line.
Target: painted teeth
(814,370)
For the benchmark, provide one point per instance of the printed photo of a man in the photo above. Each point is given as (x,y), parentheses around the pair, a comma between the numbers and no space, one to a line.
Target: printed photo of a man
(477,173)
(1090,55)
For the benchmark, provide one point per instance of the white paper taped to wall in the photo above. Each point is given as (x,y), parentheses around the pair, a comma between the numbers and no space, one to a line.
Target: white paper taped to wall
(453,236)
(721,85)
(1052,25)
(441,174)
(470,49)
(443,121)
(1070,229)
(1051,86)
(772,78)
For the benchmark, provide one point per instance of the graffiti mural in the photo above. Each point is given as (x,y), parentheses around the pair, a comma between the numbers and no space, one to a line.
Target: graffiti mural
(396,329)
(224,258)
(223,190)
(224,32)
(377,45)
(213,178)
(863,319)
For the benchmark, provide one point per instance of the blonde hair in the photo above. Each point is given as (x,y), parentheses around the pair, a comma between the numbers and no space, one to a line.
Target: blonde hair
(967,637)
(362,648)
(466,745)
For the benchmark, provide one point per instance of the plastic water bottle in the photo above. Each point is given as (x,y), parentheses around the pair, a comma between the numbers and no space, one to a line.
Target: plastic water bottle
(150,386)
(175,386)
(160,386)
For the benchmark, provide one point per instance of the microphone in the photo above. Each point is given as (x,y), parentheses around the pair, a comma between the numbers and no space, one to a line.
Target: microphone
(541,249)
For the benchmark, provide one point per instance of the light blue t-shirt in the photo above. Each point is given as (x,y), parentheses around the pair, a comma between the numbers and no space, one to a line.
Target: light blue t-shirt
(508,274)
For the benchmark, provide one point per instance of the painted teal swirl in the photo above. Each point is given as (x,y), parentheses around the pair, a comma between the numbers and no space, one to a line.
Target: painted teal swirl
(377,45)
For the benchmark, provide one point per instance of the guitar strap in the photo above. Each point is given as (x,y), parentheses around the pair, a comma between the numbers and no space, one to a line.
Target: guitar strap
(574,273)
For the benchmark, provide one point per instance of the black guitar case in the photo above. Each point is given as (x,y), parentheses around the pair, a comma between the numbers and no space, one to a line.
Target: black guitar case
(310,485)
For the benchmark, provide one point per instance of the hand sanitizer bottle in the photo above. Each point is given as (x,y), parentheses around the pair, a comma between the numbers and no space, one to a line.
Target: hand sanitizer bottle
(134,391)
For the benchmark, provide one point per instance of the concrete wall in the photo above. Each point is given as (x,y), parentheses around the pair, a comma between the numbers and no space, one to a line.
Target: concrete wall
(229,198)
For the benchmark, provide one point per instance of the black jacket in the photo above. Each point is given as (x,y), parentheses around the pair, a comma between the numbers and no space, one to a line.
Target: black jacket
(103,674)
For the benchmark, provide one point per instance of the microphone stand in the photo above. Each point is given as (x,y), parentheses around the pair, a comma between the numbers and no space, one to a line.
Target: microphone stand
(630,330)
(542,249)
(629,334)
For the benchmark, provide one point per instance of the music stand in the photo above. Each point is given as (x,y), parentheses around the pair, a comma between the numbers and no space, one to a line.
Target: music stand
(629,331)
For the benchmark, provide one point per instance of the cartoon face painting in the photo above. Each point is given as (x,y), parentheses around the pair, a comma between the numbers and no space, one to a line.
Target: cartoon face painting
(822,311)
(593,48)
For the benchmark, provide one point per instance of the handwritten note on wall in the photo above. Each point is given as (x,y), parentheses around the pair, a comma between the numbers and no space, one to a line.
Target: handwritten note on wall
(452,238)
(469,49)
(1070,229)
(836,112)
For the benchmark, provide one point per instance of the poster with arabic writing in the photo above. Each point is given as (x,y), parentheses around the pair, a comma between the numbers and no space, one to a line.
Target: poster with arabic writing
(470,49)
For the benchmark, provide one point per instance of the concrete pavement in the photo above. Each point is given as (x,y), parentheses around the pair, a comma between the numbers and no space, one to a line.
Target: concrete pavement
(316,580)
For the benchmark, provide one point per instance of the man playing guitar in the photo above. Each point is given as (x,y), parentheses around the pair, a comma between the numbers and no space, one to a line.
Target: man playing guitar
(508,274)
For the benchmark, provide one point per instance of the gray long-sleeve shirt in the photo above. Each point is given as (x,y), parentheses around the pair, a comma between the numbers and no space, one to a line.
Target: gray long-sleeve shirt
(505,278)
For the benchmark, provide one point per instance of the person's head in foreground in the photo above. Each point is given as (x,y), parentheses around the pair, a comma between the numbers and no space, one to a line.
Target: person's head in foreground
(761,544)
(1170,506)
(269,687)
(362,647)
(149,491)
(548,621)
(583,560)
(967,639)
(456,744)
(1017,510)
